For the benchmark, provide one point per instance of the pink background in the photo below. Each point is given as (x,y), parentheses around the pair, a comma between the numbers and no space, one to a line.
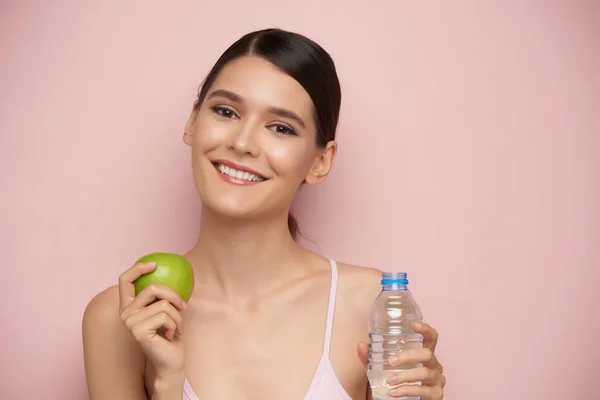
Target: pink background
(469,157)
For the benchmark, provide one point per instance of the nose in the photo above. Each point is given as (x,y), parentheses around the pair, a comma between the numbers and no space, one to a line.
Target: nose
(244,139)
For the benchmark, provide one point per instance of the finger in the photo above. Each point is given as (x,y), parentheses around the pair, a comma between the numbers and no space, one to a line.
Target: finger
(363,353)
(430,335)
(162,306)
(412,356)
(150,294)
(148,329)
(434,364)
(423,392)
(126,288)
(425,376)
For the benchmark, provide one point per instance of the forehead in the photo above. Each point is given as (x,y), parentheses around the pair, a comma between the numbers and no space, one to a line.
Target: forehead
(260,83)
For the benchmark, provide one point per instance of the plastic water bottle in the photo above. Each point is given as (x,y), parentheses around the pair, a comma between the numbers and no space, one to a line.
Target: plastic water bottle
(390,332)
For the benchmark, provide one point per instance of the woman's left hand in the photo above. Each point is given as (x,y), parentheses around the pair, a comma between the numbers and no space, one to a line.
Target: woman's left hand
(430,374)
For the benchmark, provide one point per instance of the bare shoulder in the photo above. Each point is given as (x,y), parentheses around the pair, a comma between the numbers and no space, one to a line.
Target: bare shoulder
(359,285)
(103,309)
(114,363)
(360,272)
(101,316)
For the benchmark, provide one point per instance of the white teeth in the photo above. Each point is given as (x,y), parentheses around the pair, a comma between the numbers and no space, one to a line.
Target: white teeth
(238,174)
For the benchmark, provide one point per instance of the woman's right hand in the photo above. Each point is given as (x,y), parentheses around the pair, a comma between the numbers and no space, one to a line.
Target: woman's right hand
(154,319)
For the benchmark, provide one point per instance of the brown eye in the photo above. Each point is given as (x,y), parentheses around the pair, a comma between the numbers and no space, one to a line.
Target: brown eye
(282,130)
(224,112)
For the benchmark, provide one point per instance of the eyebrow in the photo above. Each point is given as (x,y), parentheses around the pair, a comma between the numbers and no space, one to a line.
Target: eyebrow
(282,112)
(227,94)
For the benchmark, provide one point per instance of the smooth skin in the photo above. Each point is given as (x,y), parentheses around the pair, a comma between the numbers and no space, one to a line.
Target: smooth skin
(255,324)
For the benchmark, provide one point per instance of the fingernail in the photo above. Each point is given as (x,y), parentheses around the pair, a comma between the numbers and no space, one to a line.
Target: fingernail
(418,325)
(393,391)
(183,304)
(151,263)
(394,360)
(392,379)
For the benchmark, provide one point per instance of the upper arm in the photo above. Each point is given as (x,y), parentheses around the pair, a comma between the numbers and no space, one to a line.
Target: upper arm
(372,288)
(114,363)
(358,287)
(367,286)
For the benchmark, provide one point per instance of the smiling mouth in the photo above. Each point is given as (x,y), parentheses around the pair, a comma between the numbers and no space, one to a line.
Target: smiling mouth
(238,174)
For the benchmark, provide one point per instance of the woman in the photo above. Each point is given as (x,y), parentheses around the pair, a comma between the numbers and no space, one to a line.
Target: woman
(268,319)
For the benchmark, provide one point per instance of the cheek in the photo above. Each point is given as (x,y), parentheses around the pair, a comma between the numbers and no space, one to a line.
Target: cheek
(208,135)
(289,157)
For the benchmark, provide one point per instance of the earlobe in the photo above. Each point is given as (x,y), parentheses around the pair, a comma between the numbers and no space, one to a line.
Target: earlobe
(188,132)
(323,164)
(187,139)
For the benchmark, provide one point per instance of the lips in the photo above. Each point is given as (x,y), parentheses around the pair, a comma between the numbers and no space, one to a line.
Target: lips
(238,173)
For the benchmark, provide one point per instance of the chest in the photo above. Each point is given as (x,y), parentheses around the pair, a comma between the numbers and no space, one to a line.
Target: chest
(271,354)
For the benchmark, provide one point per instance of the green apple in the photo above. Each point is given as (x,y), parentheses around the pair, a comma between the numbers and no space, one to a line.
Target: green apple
(171,270)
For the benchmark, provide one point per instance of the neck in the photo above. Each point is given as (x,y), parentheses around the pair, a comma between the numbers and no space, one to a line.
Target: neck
(236,258)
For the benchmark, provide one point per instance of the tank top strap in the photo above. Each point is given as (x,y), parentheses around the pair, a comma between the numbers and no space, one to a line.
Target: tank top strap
(331,307)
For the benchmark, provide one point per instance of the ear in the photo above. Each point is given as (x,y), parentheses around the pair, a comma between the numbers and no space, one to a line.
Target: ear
(322,165)
(190,126)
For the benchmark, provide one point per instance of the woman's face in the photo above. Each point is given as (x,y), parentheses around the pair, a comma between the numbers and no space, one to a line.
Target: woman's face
(254,141)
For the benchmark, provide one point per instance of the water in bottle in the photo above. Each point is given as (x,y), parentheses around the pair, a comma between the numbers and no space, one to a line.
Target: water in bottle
(390,331)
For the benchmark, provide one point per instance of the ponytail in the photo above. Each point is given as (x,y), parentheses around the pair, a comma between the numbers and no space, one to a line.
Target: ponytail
(293,226)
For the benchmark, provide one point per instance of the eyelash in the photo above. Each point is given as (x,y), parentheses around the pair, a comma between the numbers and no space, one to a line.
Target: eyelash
(220,110)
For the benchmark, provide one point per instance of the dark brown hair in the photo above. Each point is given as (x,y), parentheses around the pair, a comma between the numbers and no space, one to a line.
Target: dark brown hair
(302,59)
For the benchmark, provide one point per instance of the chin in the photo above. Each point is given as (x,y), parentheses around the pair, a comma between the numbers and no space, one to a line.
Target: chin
(230,207)
(230,201)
